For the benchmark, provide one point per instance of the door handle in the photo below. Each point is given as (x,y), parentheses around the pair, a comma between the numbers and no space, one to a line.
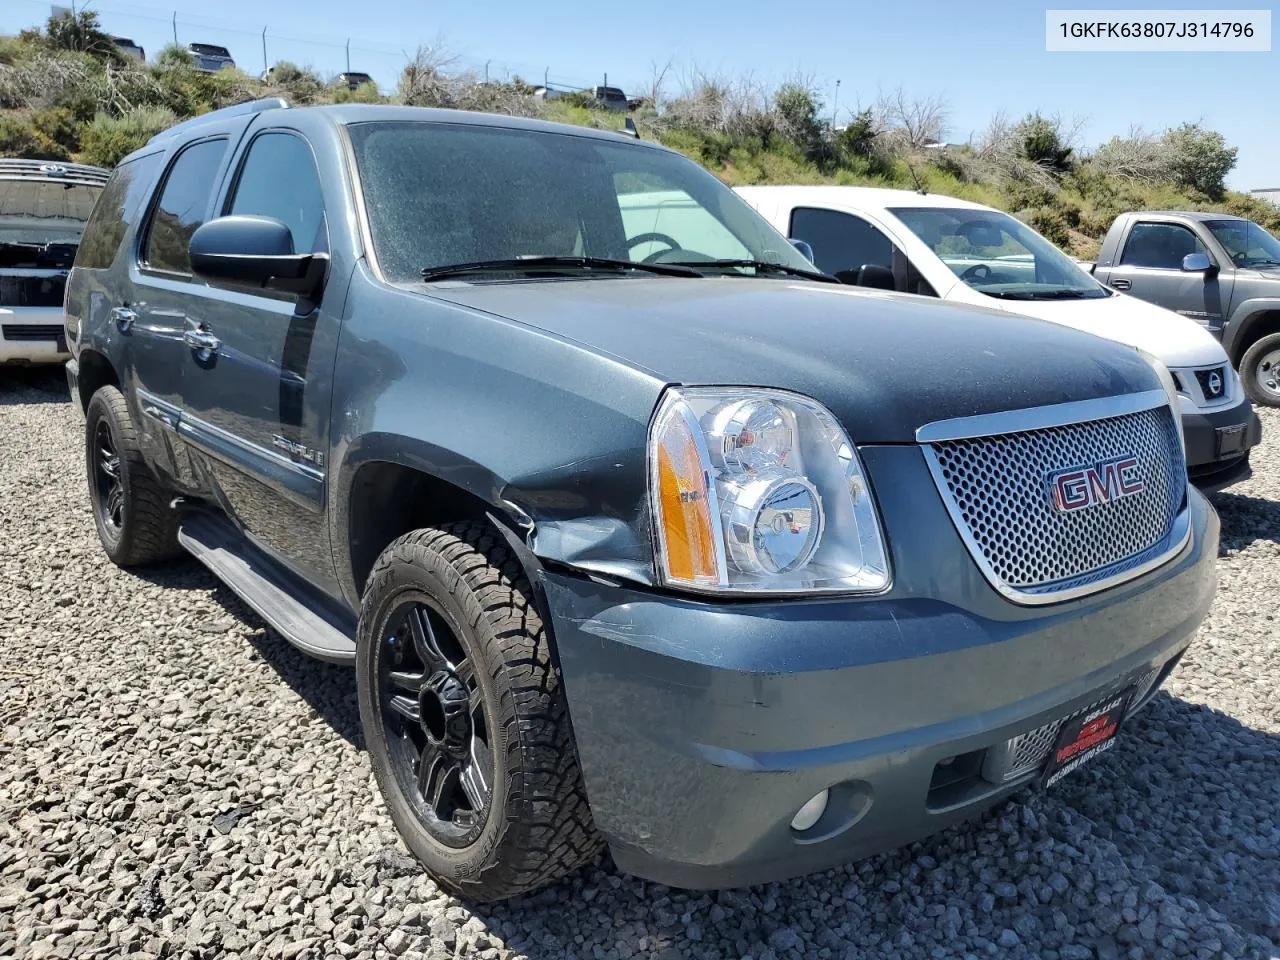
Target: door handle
(124,318)
(1121,284)
(204,343)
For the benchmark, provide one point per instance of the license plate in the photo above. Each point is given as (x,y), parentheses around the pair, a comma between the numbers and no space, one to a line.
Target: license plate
(1086,736)
(1230,440)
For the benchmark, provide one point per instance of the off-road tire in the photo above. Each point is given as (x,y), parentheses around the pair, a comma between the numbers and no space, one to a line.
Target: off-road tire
(1249,370)
(148,531)
(538,828)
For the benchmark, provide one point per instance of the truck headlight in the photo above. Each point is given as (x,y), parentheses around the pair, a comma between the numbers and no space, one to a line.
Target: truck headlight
(760,491)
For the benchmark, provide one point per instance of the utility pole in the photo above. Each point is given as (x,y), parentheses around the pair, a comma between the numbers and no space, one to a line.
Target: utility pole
(486,70)
(264,51)
(546,73)
(175,28)
(348,54)
(835,101)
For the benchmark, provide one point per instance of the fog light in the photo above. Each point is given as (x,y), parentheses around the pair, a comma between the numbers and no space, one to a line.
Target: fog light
(811,812)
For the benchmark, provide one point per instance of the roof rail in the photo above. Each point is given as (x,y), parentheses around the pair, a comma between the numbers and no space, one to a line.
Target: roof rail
(236,110)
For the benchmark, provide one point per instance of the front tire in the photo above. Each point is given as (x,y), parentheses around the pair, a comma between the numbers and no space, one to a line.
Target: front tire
(130,508)
(465,718)
(1260,370)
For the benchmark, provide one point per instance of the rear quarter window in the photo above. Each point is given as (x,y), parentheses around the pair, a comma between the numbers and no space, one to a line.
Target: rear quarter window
(116,209)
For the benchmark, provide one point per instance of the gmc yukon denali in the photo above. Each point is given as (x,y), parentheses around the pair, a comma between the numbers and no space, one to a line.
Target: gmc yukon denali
(1221,271)
(637,530)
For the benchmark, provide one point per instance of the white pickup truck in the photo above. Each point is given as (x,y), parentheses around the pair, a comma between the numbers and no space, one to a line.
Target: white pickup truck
(932,245)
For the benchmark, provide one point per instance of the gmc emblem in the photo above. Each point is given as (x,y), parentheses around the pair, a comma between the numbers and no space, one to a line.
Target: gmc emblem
(1080,487)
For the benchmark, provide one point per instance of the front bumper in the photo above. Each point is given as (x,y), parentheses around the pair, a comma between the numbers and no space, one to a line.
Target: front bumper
(702,727)
(32,335)
(1209,465)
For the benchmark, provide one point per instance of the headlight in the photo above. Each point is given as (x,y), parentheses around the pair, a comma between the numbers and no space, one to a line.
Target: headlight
(760,491)
(1171,391)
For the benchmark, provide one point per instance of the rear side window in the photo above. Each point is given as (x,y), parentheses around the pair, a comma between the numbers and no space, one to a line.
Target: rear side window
(1159,245)
(843,244)
(115,211)
(279,179)
(184,201)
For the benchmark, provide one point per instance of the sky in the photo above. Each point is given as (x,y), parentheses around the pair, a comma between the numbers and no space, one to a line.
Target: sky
(983,60)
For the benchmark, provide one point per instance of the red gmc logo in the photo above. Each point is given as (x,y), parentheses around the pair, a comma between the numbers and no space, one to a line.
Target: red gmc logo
(1081,487)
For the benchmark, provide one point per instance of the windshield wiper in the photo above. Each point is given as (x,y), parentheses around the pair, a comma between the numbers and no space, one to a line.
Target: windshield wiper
(760,266)
(554,264)
(1066,294)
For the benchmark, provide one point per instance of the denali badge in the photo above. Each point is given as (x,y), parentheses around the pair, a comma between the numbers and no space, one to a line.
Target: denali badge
(1108,480)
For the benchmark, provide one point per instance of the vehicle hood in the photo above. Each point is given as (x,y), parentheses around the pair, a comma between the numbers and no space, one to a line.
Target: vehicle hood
(883,363)
(1177,340)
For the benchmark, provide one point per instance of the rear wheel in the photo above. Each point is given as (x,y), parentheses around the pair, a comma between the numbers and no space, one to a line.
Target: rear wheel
(130,505)
(464,716)
(1260,370)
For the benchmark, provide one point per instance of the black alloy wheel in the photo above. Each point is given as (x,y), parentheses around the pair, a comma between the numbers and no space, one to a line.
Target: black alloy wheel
(438,733)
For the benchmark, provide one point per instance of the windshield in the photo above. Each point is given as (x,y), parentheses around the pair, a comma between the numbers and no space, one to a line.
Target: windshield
(1246,243)
(43,211)
(209,50)
(998,255)
(439,194)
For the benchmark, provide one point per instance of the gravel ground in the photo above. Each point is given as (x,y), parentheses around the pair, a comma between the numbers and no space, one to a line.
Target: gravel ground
(176,781)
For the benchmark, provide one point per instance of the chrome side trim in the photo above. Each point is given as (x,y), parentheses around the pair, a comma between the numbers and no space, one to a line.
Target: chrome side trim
(215,440)
(1040,418)
(1112,575)
(157,409)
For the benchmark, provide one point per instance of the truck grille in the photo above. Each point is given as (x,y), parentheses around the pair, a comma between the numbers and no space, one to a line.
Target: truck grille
(997,490)
(1026,752)
(1213,382)
(32,291)
(32,331)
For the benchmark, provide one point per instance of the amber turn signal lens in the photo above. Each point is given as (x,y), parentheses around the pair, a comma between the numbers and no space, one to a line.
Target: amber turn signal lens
(689,543)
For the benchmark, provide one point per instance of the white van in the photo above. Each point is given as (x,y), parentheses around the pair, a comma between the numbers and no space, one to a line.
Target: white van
(933,245)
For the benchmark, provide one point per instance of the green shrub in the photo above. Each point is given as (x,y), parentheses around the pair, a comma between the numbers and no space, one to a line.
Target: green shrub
(1039,139)
(365,93)
(1049,222)
(1198,159)
(300,84)
(174,55)
(20,137)
(858,139)
(108,140)
(60,126)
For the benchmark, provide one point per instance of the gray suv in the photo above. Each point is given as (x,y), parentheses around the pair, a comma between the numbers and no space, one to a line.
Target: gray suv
(637,530)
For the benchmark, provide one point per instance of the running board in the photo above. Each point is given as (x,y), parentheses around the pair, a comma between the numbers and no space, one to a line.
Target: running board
(267,588)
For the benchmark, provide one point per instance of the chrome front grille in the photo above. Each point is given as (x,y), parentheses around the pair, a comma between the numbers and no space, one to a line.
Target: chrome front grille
(998,490)
(1026,752)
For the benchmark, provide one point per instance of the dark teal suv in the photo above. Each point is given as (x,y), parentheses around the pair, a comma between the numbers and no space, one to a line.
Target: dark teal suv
(637,529)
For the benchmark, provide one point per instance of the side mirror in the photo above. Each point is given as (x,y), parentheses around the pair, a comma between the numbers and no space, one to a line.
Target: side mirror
(806,251)
(1198,263)
(254,253)
(877,276)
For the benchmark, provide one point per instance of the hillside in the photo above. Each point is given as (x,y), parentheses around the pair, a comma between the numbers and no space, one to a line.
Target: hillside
(66,93)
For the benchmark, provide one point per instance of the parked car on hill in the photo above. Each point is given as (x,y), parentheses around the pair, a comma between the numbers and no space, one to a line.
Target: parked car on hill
(1223,272)
(43,209)
(210,58)
(129,48)
(636,528)
(938,246)
(352,80)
